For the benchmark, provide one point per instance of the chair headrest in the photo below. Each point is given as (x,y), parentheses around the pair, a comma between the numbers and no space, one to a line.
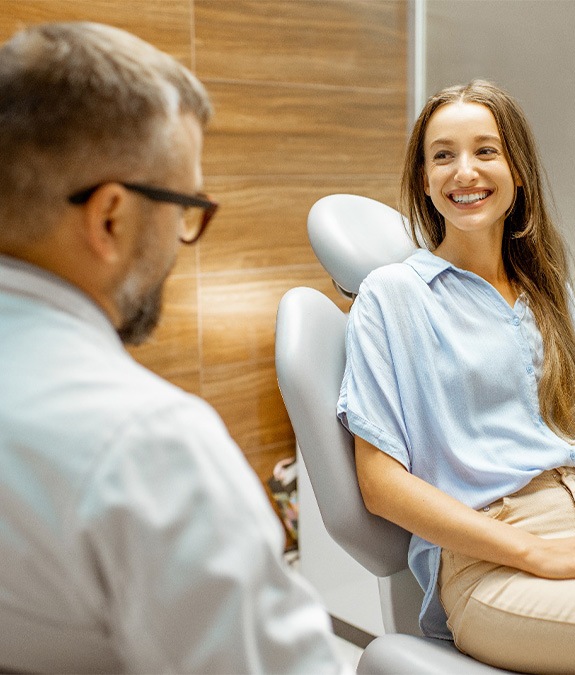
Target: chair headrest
(353,235)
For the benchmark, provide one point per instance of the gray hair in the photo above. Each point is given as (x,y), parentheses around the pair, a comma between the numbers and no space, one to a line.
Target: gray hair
(81,103)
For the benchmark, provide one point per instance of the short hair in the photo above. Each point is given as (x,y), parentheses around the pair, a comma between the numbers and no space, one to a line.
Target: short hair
(81,103)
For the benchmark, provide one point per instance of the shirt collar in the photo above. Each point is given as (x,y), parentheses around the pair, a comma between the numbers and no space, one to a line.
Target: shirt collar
(24,279)
(427,265)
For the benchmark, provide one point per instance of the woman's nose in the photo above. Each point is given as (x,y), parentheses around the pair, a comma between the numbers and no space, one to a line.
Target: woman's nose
(465,170)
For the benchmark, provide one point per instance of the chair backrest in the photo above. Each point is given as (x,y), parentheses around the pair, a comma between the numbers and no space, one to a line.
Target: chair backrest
(310,359)
(352,235)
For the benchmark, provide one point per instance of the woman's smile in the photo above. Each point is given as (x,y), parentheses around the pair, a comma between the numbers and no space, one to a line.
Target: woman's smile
(469,198)
(466,172)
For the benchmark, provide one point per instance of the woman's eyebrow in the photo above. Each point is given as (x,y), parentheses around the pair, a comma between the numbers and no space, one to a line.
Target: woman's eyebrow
(488,138)
(441,141)
(483,138)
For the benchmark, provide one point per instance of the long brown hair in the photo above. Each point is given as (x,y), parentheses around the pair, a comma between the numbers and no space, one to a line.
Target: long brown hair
(533,251)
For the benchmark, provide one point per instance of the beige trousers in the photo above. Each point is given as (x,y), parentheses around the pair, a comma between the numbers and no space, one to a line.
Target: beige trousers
(508,618)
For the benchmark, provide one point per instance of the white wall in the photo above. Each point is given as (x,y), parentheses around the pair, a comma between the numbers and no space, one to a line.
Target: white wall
(527,47)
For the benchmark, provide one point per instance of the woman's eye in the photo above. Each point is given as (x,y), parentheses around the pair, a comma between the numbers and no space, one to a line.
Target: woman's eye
(441,156)
(487,151)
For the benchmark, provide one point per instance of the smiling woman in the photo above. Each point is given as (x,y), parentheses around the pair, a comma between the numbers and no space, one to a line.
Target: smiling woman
(468,178)
(458,388)
(465,167)
(532,250)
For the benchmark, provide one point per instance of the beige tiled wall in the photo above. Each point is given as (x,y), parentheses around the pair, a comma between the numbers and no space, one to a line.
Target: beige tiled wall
(310,99)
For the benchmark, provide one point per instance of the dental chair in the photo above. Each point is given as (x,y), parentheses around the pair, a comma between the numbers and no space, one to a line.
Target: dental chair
(352,235)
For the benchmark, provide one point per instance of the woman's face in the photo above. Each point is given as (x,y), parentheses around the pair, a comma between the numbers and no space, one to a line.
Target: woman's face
(466,173)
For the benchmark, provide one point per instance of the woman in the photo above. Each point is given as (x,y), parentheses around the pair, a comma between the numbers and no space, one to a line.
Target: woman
(459,388)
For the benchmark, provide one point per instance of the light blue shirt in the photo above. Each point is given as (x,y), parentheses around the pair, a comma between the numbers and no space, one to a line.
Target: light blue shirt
(442,375)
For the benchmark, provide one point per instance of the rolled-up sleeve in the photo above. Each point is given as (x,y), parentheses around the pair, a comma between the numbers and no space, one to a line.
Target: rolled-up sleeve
(370,403)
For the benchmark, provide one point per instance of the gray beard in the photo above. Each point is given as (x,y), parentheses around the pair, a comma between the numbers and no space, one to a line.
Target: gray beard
(140,315)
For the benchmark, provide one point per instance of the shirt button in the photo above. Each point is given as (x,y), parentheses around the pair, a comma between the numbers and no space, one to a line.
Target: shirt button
(529,369)
(486,508)
(516,321)
(572,454)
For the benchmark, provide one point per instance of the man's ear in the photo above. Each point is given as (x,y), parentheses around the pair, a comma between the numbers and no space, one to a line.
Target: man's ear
(105,224)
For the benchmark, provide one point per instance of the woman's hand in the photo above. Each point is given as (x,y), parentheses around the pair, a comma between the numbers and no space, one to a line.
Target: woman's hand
(551,558)
(391,492)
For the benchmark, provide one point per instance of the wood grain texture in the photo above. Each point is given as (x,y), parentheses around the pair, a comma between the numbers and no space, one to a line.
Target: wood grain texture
(360,43)
(264,461)
(262,220)
(249,401)
(164,23)
(239,310)
(238,375)
(261,129)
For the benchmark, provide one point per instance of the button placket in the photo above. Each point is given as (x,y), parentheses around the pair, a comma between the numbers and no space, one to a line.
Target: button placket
(529,369)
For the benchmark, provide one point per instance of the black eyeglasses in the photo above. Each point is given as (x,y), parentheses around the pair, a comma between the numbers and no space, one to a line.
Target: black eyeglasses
(195,221)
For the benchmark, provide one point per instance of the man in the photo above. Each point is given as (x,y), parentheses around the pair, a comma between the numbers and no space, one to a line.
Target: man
(133,536)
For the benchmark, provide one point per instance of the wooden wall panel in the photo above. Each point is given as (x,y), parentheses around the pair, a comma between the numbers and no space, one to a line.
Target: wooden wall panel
(264,129)
(228,328)
(165,23)
(173,350)
(262,221)
(250,403)
(310,99)
(357,43)
(238,310)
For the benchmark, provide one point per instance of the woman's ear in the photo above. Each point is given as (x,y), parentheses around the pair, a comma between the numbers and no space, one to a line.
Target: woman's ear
(425,182)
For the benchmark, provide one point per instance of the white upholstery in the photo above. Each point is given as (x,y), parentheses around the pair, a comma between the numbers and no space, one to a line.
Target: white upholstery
(352,235)
(310,359)
(410,655)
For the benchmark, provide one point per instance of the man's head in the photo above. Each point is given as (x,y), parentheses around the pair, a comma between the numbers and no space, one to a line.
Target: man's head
(84,105)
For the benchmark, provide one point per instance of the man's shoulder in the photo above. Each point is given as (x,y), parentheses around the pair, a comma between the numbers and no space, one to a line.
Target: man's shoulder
(126,390)
(82,395)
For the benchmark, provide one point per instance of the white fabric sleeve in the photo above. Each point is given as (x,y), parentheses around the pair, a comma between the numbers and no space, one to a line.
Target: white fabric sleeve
(189,552)
(370,403)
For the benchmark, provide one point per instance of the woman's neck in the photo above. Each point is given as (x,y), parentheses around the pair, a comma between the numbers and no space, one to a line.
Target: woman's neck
(485,260)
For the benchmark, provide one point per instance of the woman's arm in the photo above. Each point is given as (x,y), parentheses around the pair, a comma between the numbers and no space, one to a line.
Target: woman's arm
(391,492)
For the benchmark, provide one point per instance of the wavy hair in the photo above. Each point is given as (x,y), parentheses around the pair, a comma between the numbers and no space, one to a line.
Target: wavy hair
(534,253)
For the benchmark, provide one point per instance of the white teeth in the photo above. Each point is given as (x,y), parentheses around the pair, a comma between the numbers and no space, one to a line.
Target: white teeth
(470,198)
